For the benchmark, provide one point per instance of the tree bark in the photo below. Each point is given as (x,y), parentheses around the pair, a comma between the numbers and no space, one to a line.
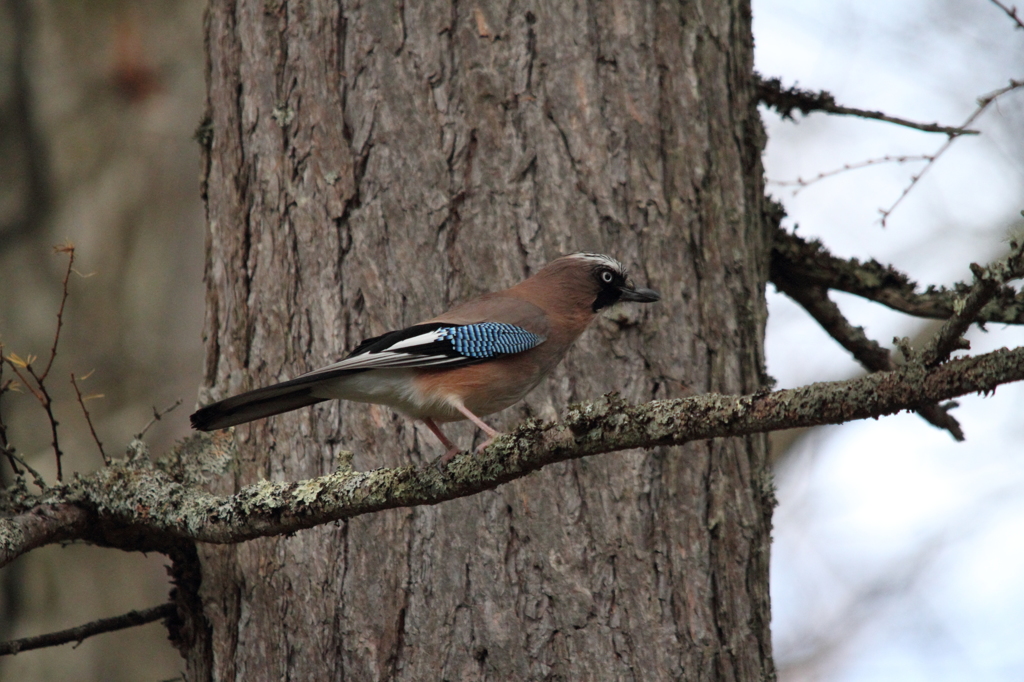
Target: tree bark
(369,166)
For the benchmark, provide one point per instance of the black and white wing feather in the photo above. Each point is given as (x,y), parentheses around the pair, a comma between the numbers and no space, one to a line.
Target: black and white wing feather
(436,345)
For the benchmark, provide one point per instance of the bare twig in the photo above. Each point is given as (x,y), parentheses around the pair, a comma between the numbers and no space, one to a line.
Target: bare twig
(47,403)
(800,183)
(157,416)
(5,444)
(16,364)
(785,100)
(38,385)
(88,419)
(36,476)
(1010,12)
(69,249)
(11,459)
(952,131)
(870,354)
(8,451)
(96,627)
(983,103)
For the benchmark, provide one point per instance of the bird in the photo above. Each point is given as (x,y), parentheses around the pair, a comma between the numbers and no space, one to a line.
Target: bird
(476,359)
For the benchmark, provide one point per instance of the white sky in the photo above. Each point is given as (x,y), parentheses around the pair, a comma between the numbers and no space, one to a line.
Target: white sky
(898,552)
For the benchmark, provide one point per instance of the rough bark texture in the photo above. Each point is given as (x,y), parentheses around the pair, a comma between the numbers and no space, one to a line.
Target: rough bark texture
(369,166)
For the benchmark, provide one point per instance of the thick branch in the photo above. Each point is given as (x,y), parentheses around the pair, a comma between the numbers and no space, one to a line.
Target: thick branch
(136,505)
(43,524)
(96,627)
(868,353)
(808,263)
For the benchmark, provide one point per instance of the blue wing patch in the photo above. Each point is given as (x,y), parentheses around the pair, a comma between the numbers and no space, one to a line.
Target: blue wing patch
(435,345)
(488,339)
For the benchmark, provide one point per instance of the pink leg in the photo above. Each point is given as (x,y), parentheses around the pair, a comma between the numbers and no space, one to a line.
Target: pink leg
(479,422)
(452,448)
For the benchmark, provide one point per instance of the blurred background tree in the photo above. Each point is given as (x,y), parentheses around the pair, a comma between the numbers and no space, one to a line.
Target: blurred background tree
(98,104)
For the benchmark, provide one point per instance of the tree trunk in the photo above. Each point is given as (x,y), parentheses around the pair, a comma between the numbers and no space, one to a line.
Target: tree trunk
(370,166)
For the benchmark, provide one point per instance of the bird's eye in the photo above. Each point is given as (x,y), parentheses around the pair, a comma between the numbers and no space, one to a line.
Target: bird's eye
(607,277)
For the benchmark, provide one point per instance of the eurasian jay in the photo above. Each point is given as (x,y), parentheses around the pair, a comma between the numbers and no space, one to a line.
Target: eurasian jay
(476,359)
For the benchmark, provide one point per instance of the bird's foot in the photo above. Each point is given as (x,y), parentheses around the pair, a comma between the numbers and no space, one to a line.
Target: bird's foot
(453,449)
(449,456)
(487,443)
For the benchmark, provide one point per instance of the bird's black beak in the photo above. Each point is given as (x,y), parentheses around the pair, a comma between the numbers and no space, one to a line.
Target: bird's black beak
(639,295)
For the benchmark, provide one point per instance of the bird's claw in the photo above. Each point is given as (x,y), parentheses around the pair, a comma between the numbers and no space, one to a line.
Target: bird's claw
(448,456)
(487,443)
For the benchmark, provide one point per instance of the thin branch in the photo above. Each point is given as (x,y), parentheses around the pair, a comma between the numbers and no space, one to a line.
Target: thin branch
(88,420)
(14,362)
(69,249)
(786,100)
(11,459)
(5,446)
(983,103)
(868,353)
(808,263)
(37,478)
(952,131)
(157,416)
(1010,12)
(159,511)
(96,627)
(17,364)
(47,403)
(802,184)
(39,389)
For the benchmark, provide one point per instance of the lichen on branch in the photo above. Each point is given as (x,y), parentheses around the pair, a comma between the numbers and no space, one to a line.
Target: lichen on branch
(144,505)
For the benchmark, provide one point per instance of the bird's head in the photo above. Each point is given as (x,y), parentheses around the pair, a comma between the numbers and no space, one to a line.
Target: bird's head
(602,278)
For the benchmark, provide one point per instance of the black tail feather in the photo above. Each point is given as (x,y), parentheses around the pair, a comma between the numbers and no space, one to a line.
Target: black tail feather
(247,407)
